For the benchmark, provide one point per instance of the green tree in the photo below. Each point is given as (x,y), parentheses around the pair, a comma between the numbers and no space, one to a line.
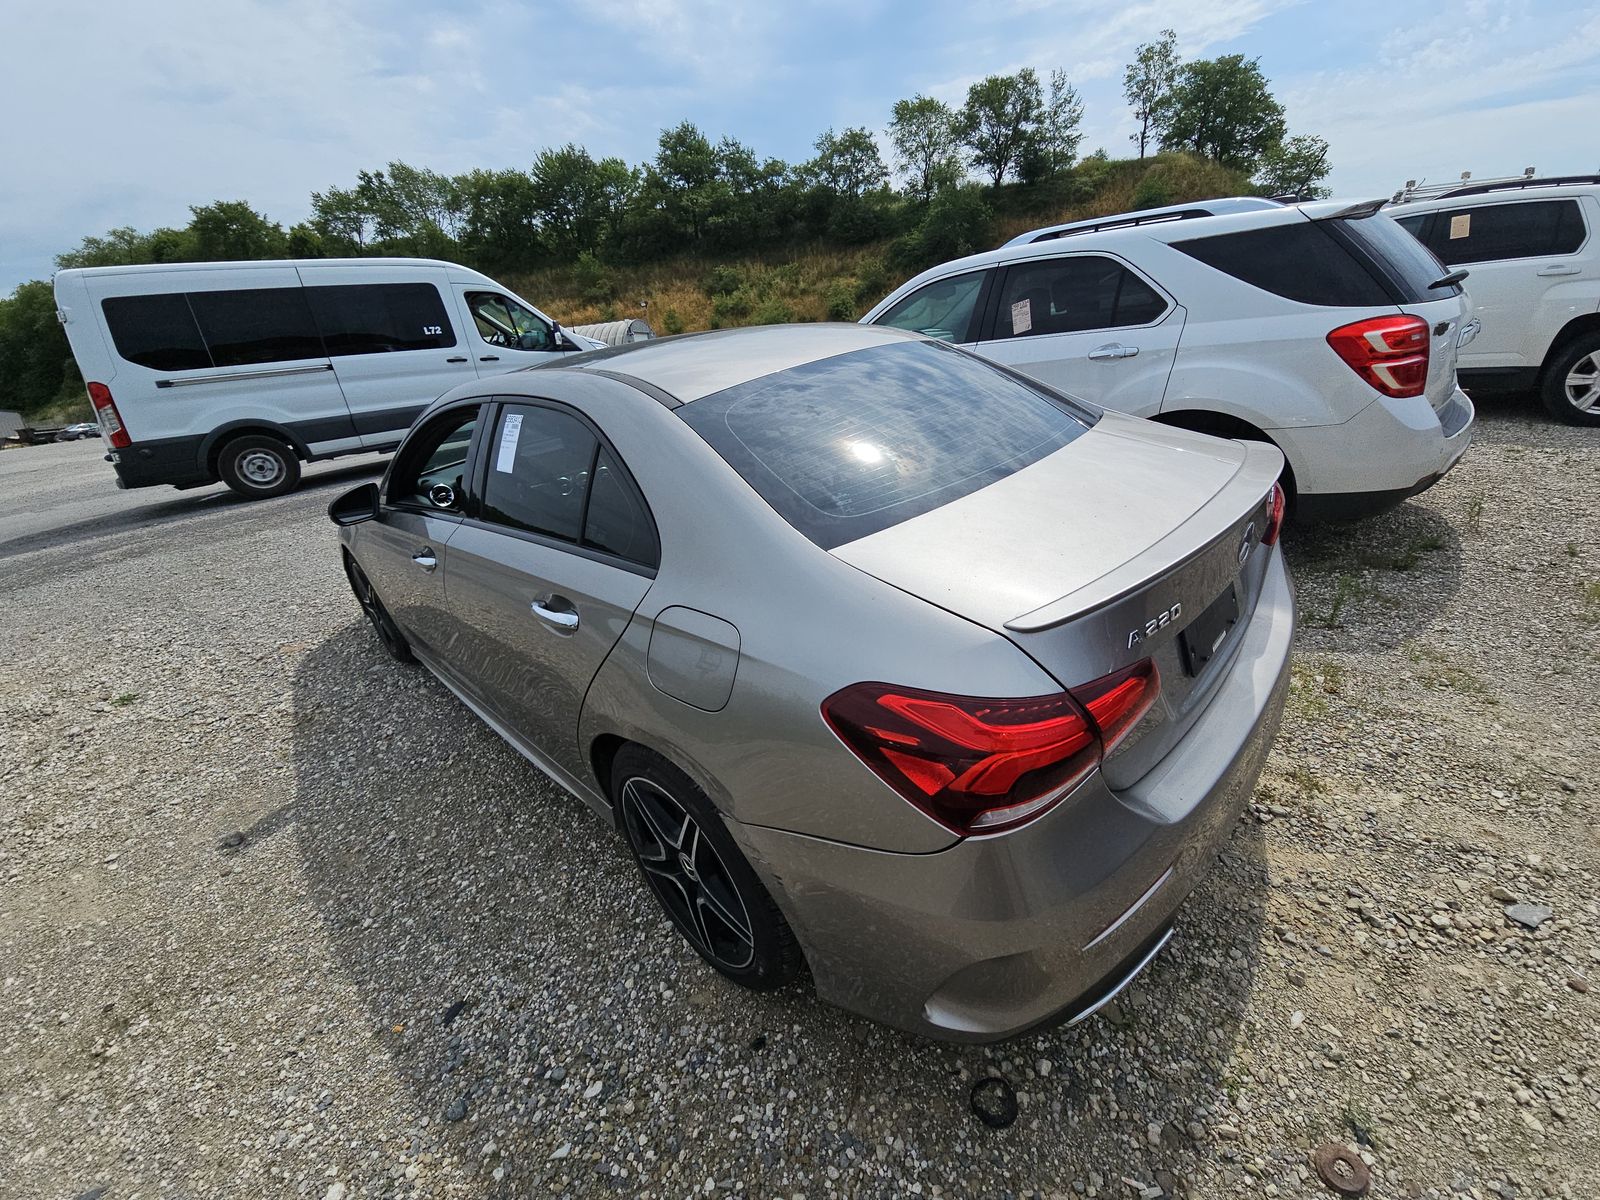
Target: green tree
(848,163)
(500,219)
(232,231)
(568,199)
(36,366)
(1055,141)
(1222,109)
(1000,122)
(1148,82)
(344,220)
(128,247)
(1296,166)
(927,144)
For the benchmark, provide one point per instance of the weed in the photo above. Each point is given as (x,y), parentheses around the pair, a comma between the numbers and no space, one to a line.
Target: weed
(841,299)
(124,700)
(1438,669)
(1475,513)
(671,322)
(1347,589)
(1572,549)
(1305,780)
(1591,602)
(1359,1120)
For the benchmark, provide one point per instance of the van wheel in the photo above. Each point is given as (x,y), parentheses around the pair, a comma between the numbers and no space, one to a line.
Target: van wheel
(258,466)
(1571,386)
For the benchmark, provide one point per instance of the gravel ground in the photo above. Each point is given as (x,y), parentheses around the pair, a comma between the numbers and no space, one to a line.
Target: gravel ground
(280,918)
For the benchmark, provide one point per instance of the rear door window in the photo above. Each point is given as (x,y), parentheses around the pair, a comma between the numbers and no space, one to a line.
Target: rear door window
(380,318)
(942,309)
(1070,295)
(1494,232)
(256,325)
(850,445)
(158,332)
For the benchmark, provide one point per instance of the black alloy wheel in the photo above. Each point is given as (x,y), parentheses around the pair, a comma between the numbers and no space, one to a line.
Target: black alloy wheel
(382,623)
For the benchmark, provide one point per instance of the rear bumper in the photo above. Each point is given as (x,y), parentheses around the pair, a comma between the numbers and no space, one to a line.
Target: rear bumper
(1392,450)
(177,461)
(995,936)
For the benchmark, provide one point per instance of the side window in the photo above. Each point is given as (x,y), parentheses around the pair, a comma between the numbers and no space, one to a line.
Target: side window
(501,321)
(260,325)
(1068,295)
(1298,260)
(942,309)
(380,318)
(430,471)
(549,474)
(156,332)
(1492,232)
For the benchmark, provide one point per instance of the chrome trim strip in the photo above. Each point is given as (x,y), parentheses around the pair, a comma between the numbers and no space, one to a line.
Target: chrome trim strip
(231,376)
(1133,908)
(1123,983)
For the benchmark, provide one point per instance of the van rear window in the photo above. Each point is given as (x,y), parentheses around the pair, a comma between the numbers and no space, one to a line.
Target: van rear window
(158,332)
(850,445)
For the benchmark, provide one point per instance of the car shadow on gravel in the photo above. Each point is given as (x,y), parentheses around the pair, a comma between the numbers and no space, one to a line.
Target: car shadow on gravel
(1368,586)
(519,979)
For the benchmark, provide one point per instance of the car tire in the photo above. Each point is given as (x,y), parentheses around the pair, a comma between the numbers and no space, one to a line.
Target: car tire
(1571,385)
(394,642)
(258,466)
(698,875)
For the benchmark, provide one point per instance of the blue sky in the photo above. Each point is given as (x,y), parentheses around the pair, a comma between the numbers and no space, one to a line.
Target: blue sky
(128,114)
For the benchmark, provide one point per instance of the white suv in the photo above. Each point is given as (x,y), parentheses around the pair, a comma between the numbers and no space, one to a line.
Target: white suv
(1531,248)
(1322,328)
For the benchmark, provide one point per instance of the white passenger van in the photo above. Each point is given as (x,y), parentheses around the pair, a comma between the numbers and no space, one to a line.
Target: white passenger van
(238,371)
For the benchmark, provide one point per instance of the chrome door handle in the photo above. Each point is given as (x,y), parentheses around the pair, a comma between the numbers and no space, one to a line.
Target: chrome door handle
(1113,350)
(1560,270)
(562,620)
(425,558)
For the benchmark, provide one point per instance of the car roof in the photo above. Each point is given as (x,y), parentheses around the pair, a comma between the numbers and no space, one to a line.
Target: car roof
(690,366)
(1533,188)
(253,264)
(1145,216)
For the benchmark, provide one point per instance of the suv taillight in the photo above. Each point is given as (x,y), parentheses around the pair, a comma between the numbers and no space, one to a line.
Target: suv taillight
(1390,353)
(105,411)
(1280,502)
(980,765)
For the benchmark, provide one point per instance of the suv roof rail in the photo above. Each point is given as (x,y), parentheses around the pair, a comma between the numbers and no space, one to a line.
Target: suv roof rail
(1147,216)
(1508,185)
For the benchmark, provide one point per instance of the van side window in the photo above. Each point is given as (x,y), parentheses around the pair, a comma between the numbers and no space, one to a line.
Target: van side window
(501,321)
(1494,232)
(258,325)
(156,332)
(380,318)
(1069,295)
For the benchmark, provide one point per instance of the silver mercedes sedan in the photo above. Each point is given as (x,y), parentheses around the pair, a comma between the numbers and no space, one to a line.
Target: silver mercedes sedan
(888,664)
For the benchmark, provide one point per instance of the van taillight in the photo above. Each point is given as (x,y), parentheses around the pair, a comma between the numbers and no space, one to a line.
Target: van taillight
(105,411)
(979,765)
(1390,353)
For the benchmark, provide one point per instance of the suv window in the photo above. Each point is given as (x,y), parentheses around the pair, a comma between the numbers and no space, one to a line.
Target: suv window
(1068,295)
(853,444)
(380,318)
(1493,232)
(431,470)
(156,332)
(1298,260)
(501,321)
(941,309)
(257,325)
(549,474)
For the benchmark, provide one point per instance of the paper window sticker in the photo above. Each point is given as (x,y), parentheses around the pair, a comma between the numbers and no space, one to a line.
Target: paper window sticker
(510,431)
(1021,316)
(1460,226)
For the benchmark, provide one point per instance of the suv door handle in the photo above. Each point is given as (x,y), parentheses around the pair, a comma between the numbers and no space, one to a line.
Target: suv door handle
(457,358)
(1112,350)
(562,620)
(425,558)
(1560,269)
(488,358)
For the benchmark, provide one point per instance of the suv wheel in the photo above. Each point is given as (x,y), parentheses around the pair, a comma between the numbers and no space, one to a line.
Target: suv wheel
(698,874)
(1571,387)
(257,466)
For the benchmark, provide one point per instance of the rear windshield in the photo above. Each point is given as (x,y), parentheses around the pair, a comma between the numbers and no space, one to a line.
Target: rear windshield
(1406,263)
(854,444)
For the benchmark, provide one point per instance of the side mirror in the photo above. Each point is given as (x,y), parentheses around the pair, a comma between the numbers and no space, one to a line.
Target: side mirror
(562,341)
(357,505)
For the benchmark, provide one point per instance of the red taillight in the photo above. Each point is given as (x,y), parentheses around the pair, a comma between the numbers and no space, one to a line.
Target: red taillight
(105,411)
(1279,502)
(1390,353)
(980,765)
